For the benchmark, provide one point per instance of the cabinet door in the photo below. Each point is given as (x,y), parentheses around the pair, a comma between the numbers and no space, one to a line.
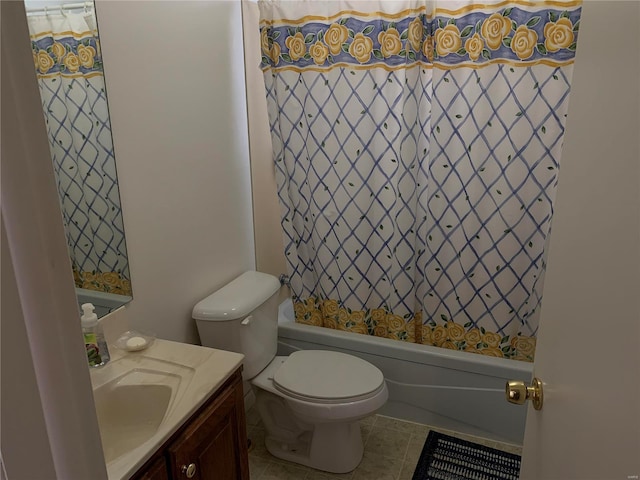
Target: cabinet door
(213,447)
(157,471)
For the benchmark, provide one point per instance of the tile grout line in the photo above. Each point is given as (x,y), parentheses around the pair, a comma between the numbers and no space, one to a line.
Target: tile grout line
(370,427)
(404,458)
(406,450)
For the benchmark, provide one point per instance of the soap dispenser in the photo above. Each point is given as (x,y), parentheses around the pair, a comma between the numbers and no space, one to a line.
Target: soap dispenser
(97,351)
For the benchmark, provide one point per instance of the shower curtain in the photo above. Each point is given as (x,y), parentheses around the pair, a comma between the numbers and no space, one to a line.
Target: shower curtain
(417,148)
(66,53)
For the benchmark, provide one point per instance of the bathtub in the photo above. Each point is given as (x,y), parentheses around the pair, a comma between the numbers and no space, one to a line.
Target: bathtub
(103,302)
(435,386)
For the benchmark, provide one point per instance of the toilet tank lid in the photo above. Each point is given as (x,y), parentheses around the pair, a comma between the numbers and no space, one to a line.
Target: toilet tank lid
(238,298)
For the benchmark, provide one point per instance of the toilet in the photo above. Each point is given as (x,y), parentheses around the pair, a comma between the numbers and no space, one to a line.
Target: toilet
(310,401)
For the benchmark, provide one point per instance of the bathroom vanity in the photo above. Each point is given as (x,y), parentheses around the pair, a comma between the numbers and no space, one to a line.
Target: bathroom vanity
(212,444)
(172,411)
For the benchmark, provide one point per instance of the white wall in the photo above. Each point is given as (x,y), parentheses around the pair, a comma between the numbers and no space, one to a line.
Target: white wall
(269,238)
(175,81)
(21,408)
(49,426)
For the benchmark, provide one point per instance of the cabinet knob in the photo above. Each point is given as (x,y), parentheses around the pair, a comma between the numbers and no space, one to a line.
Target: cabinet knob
(188,470)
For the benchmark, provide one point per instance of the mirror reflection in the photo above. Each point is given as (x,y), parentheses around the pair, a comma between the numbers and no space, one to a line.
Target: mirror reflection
(68,65)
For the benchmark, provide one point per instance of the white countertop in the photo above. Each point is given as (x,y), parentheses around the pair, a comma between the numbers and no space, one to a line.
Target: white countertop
(206,368)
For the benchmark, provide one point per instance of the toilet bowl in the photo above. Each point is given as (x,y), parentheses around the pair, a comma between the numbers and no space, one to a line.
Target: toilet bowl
(311,401)
(310,420)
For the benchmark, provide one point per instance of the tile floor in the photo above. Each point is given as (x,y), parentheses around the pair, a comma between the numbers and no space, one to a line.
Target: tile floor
(391,450)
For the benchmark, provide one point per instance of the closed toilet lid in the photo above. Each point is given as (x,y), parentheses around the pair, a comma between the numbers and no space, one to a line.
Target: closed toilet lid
(325,376)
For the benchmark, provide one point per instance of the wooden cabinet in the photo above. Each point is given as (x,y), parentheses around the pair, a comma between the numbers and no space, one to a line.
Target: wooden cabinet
(156,471)
(211,445)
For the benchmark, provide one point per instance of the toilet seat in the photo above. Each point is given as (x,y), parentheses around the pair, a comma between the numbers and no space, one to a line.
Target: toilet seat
(321,376)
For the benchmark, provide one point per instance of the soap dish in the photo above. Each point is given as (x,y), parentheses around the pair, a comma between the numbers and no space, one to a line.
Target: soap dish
(133,341)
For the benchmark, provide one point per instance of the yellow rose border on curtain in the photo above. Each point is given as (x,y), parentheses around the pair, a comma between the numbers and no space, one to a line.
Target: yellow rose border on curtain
(381,323)
(72,55)
(523,33)
(108,282)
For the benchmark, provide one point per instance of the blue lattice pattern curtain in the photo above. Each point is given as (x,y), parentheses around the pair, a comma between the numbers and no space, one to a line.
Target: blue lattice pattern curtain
(66,54)
(417,148)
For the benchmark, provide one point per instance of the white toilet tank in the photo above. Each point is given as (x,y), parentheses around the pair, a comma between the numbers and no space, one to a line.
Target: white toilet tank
(242,317)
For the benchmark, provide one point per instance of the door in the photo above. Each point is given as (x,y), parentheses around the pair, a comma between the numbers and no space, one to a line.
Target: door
(589,340)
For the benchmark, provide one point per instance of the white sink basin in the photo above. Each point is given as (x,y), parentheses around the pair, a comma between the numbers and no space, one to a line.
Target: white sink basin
(133,399)
(143,397)
(129,416)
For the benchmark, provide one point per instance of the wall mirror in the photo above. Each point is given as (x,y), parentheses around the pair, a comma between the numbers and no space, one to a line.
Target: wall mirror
(68,65)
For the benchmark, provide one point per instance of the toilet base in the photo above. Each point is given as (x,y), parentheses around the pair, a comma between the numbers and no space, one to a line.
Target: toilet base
(321,435)
(331,447)
(334,447)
